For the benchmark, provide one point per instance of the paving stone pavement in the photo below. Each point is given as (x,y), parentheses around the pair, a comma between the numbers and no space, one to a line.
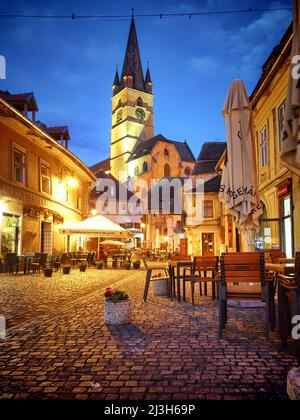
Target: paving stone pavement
(58,346)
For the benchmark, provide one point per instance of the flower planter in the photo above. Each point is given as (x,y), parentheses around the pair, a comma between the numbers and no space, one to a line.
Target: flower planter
(48,272)
(160,287)
(82,268)
(66,270)
(117,313)
(136,265)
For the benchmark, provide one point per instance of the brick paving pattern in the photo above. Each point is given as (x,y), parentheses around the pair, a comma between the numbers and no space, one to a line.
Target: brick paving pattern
(58,346)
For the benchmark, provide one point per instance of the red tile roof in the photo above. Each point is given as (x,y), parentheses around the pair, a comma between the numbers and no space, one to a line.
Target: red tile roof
(18,99)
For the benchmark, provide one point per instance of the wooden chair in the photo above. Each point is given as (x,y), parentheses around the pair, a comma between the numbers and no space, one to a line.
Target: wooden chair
(38,264)
(242,268)
(276,255)
(204,271)
(289,304)
(12,261)
(150,277)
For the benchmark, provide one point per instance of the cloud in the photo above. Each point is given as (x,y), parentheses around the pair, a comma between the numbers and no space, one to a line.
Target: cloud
(205,64)
(240,52)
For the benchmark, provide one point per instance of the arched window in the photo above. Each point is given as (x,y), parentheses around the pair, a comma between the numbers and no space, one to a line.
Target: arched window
(166,152)
(139,101)
(167,170)
(145,167)
(119,103)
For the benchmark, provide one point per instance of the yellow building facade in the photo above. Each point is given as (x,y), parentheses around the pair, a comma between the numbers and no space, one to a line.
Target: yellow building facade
(279,188)
(42,185)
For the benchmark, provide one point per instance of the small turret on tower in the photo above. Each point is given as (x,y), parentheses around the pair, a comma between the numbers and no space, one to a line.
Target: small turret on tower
(148,81)
(116,83)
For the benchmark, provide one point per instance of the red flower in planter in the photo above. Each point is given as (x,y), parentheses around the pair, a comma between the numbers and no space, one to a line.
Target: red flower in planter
(108,292)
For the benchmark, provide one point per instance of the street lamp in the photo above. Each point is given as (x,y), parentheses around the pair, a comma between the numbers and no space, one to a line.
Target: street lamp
(72,182)
(94,212)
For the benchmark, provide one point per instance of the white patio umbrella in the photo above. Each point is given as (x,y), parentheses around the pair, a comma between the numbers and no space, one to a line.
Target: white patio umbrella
(290,150)
(97,226)
(239,188)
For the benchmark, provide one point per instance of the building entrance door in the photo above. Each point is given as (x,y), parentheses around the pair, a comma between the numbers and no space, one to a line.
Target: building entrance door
(46,237)
(208,244)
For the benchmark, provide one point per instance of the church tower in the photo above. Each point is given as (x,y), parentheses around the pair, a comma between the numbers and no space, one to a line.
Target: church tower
(132,108)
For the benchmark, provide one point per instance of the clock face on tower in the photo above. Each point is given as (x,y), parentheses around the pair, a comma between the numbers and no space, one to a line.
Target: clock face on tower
(140,113)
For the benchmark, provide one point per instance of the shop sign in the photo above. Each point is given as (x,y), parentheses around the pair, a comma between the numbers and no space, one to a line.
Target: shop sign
(283,190)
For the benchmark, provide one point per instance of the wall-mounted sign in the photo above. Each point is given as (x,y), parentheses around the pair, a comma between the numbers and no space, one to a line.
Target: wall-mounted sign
(283,190)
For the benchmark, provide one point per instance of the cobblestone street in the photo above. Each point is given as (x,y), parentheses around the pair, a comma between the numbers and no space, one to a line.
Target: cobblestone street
(58,346)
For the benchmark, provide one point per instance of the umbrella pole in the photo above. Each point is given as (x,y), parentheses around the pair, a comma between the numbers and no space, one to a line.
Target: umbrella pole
(98,248)
(249,241)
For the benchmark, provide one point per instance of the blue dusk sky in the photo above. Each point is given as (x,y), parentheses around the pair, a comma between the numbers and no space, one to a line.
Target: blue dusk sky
(70,64)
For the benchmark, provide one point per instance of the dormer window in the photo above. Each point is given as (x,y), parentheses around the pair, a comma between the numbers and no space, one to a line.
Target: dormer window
(139,101)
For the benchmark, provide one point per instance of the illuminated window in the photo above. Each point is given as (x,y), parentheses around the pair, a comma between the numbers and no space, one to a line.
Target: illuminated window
(79,199)
(263,147)
(187,171)
(281,113)
(208,209)
(19,166)
(45,179)
(145,167)
(167,171)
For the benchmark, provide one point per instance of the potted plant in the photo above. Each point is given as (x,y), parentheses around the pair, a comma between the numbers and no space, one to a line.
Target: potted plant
(160,285)
(136,264)
(66,269)
(117,307)
(48,270)
(82,267)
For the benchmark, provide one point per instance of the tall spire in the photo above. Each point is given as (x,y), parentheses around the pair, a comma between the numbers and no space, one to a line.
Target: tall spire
(132,72)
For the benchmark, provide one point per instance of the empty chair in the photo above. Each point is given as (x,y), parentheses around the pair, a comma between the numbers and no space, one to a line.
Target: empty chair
(289,304)
(204,271)
(12,261)
(243,268)
(39,263)
(276,255)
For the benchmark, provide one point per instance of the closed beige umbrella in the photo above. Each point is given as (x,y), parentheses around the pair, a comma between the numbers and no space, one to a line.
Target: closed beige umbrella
(239,188)
(290,150)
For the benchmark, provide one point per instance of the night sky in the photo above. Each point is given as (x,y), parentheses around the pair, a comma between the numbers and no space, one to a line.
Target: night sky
(70,64)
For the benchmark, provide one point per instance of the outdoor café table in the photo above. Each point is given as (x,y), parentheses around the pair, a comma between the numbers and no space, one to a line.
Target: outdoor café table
(174,268)
(285,269)
(286,260)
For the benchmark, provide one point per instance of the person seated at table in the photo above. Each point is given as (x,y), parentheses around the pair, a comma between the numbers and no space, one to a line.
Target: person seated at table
(80,250)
